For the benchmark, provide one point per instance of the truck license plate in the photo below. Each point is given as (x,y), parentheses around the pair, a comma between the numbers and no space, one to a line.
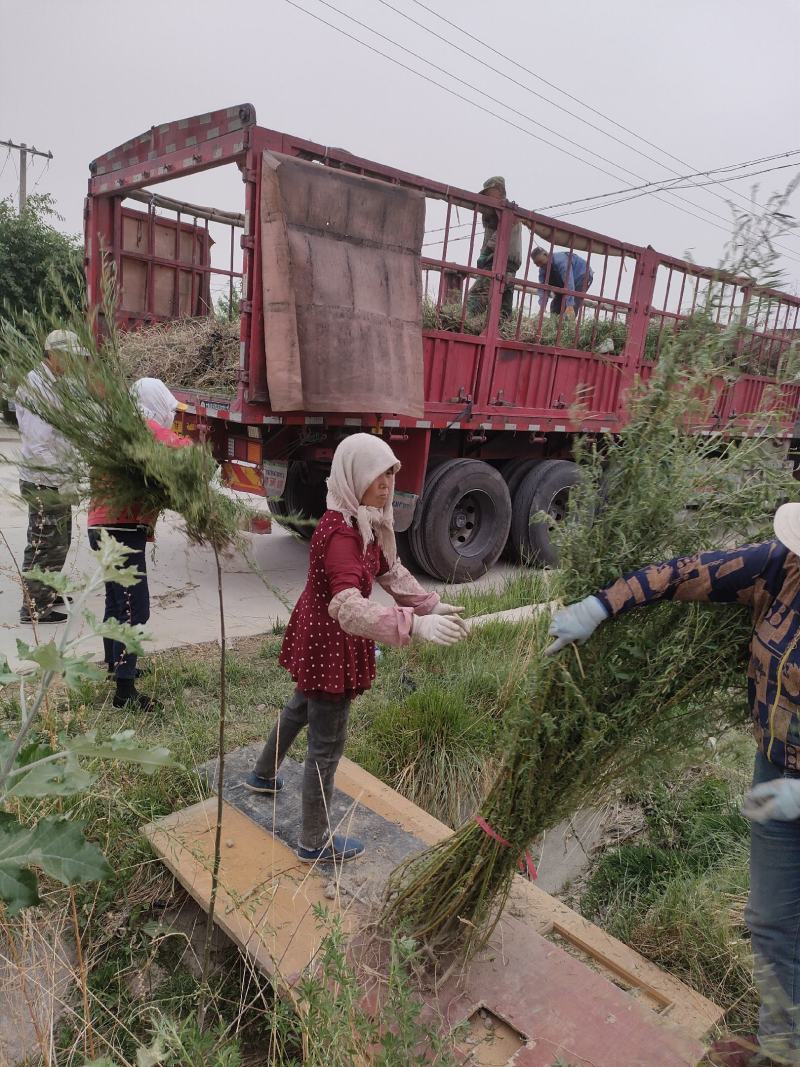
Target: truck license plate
(275,471)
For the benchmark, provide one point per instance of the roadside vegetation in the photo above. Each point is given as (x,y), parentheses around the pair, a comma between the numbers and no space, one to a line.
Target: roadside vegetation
(430,729)
(677,892)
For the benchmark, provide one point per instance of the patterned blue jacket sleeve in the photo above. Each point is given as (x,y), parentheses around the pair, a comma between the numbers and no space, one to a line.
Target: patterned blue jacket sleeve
(716,577)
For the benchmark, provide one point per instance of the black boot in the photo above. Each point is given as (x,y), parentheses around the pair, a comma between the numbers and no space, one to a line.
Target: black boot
(127,696)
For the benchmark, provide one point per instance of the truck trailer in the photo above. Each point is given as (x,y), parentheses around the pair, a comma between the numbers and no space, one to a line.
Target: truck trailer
(352,280)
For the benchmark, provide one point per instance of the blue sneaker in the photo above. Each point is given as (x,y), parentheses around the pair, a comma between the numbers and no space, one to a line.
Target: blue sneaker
(338,850)
(256,784)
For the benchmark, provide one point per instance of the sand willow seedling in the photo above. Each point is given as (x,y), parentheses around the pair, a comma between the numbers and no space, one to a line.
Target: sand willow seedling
(647,683)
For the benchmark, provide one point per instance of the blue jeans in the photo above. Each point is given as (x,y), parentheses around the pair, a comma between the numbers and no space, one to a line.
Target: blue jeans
(773,917)
(125,603)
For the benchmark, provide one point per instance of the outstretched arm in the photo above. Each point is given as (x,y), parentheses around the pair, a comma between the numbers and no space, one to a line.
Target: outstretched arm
(716,577)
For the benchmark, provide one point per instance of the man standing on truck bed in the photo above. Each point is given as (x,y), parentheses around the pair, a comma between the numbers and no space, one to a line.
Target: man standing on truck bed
(567,271)
(478,296)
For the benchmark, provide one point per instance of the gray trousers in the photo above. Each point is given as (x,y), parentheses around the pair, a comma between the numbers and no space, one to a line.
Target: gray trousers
(327,732)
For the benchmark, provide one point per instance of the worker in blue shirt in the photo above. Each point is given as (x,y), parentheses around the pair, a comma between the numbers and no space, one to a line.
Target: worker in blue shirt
(567,271)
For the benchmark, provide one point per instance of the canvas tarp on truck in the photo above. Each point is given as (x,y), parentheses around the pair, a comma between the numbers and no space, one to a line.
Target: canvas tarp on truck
(342,290)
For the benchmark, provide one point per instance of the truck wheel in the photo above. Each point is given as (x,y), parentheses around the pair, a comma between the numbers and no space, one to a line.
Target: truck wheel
(416,532)
(514,471)
(304,495)
(464,521)
(545,488)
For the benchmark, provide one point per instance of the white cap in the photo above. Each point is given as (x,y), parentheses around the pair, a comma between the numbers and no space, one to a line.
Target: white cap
(787,526)
(64,341)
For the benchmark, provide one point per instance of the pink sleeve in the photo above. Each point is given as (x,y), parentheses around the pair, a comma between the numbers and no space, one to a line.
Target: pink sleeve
(365,618)
(401,584)
(168,437)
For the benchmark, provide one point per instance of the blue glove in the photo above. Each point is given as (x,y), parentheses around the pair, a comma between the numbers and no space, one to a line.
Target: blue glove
(778,799)
(576,623)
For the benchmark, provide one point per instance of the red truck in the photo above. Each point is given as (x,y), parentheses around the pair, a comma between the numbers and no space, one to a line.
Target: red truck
(355,316)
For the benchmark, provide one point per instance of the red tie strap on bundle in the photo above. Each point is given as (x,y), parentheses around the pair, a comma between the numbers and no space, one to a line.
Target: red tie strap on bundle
(526,864)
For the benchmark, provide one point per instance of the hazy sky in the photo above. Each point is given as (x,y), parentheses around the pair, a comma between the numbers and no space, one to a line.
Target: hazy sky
(714,82)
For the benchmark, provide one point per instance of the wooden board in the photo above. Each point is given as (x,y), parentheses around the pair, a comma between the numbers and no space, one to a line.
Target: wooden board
(671,998)
(546,998)
(265,899)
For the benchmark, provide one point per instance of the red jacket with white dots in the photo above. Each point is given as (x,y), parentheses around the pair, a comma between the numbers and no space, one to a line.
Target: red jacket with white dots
(329,645)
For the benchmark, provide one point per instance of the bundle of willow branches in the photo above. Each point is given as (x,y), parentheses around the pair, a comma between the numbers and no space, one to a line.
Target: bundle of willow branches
(649,682)
(112,449)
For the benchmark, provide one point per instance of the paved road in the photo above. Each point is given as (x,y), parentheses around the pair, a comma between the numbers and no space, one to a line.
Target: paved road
(258,591)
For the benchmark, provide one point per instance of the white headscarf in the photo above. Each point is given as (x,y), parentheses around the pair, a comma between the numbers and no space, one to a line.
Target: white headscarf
(155,401)
(357,462)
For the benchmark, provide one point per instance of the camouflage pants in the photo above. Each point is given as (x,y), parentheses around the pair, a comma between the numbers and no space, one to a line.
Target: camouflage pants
(478,298)
(49,537)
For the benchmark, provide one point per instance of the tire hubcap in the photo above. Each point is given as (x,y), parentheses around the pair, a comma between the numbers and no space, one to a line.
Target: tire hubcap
(472,523)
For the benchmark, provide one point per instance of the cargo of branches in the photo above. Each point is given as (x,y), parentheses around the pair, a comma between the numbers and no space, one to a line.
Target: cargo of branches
(360,306)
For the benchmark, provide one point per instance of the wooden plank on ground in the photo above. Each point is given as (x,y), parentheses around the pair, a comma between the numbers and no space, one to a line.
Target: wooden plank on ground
(266,896)
(550,1003)
(672,998)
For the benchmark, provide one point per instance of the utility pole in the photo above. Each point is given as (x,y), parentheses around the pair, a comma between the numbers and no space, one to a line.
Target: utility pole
(24,152)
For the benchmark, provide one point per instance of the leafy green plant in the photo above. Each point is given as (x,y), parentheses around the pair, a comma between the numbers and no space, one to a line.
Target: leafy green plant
(337,1028)
(91,406)
(646,683)
(33,768)
(40,267)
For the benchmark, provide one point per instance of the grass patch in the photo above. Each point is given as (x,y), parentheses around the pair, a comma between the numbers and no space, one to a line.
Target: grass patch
(429,727)
(523,586)
(677,895)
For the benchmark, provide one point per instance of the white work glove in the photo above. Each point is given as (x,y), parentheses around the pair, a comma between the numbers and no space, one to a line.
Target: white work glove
(447,609)
(440,629)
(778,799)
(576,623)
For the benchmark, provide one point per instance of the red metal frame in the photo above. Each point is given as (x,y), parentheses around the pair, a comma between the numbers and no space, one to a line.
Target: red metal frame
(491,387)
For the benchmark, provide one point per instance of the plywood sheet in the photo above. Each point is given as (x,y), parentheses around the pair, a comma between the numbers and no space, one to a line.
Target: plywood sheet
(671,997)
(266,897)
(562,1006)
(342,290)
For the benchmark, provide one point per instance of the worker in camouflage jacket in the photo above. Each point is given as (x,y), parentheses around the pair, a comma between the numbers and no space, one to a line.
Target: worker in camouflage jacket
(45,460)
(478,296)
(766,578)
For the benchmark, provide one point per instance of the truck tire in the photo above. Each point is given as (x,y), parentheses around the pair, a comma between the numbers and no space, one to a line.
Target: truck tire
(545,488)
(304,495)
(416,538)
(464,519)
(514,471)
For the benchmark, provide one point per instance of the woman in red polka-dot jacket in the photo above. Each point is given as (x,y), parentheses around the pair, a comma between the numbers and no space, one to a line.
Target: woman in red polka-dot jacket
(329,646)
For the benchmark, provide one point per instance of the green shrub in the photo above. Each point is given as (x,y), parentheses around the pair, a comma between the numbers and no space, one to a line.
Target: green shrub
(678,895)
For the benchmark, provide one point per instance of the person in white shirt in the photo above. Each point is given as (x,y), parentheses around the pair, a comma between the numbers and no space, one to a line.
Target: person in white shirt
(43,475)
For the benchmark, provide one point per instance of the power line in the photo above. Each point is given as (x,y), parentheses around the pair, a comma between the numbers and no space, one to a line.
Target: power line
(42,172)
(481,107)
(667,183)
(558,89)
(455,78)
(579,118)
(514,81)
(22,174)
